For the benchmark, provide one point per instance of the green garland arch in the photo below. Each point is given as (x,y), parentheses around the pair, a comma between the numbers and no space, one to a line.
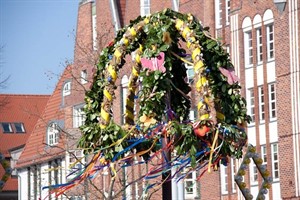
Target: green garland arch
(163,98)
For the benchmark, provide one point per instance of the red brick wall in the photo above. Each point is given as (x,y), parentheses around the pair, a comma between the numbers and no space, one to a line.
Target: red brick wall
(204,11)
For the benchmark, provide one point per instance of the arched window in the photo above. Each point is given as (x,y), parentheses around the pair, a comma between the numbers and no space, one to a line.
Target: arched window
(248,45)
(67,88)
(52,134)
(268,22)
(259,45)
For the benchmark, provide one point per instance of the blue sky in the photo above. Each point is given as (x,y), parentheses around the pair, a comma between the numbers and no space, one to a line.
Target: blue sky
(37,37)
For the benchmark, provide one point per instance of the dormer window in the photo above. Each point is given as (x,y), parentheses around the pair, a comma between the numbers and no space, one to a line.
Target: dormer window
(52,134)
(19,127)
(67,88)
(6,127)
(83,76)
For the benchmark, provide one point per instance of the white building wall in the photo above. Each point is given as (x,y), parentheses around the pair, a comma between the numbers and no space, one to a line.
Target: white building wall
(23,184)
(23,180)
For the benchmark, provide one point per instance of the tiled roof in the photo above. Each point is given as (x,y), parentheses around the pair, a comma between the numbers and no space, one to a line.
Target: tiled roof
(11,184)
(24,109)
(36,149)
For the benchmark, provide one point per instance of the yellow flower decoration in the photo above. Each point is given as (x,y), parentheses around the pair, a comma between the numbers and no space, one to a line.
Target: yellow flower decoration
(147,121)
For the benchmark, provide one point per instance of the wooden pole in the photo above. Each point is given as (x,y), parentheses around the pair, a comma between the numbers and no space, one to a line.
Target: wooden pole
(166,176)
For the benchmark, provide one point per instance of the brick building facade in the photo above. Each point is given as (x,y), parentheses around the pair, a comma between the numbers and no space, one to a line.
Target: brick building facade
(262,38)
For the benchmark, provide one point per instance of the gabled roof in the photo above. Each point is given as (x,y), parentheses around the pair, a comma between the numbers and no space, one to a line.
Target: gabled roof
(25,109)
(36,149)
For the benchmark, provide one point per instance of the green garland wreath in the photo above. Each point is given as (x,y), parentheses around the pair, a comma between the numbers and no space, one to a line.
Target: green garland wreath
(163,98)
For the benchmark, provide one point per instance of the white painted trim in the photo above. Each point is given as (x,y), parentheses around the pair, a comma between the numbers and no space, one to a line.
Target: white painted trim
(257,21)
(234,54)
(175,5)
(247,24)
(268,17)
(295,86)
(115,15)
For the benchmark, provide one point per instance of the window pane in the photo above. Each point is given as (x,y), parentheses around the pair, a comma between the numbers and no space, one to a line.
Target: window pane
(19,127)
(6,128)
(189,187)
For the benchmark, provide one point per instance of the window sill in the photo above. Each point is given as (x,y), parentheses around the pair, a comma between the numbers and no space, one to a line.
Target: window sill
(253,184)
(251,125)
(249,66)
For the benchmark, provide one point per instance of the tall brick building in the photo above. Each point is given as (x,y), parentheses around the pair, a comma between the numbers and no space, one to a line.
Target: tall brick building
(262,38)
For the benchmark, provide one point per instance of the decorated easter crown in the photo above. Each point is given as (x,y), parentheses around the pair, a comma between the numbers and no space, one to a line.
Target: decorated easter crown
(158,83)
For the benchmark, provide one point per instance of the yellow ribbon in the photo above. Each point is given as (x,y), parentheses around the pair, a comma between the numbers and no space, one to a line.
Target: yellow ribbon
(132,31)
(107,95)
(146,20)
(118,54)
(125,41)
(103,126)
(220,116)
(112,72)
(129,103)
(198,65)
(184,60)
(105,115)
(185,31)
(129,114)
(135,72)
(195,53)
(200,104)
(138,58)
(205,116)
(179,24)
(112,167)
(200,82)
(212,150)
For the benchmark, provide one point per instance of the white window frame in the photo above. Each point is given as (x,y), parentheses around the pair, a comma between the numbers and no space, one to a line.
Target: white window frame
(224,179)
(264,156)
(272,101)
(261,101)
(175,5)
(275,161)
(251,104)
(248,45)
(124,88)
(227,12)
(52,134)
(259,45)
(76,162)
(78,116)
(83,76)
(233,172)
(218,13)
(145,7)
(254,173)
(270,42)
(21,126)
(67,88)
(190,179)
(8,126)
(115,15)
(190,72)
(94,27)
